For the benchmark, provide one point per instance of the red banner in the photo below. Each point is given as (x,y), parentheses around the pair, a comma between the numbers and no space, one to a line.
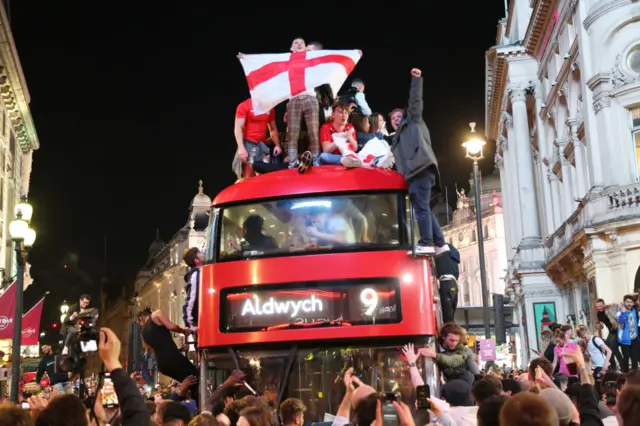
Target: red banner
(7,311)
(31,324)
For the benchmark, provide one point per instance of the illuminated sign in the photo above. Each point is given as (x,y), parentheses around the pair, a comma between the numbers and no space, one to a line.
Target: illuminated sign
(257,308)
(274,306)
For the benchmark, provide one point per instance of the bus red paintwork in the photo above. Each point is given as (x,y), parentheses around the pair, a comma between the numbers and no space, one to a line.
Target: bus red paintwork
(413,274)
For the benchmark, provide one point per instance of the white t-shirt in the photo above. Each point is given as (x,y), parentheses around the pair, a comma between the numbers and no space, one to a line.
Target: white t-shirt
(596,354)
(338,224)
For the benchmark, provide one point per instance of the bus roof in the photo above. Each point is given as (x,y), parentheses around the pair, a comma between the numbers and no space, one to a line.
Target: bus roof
(317,180)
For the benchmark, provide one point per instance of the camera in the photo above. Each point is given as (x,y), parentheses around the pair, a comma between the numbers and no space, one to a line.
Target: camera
(87,337)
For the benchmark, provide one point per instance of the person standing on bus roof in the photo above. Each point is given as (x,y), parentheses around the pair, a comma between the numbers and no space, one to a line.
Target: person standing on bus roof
(415,159)
(194,259)
(251,132)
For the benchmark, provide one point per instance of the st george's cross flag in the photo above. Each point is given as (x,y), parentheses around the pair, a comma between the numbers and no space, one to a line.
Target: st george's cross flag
(276,77)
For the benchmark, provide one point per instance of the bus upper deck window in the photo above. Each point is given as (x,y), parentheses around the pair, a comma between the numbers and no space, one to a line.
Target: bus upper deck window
(313,224)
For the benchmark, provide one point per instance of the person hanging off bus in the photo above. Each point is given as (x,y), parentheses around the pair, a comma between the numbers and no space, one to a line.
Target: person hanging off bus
(194,259)
(156,335)
(448,271)
(415,159)
(451,356)
(252,133)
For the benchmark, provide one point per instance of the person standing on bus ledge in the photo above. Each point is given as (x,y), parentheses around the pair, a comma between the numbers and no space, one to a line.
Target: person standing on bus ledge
(447,270)
(415,159)
(251,135)
(194,258)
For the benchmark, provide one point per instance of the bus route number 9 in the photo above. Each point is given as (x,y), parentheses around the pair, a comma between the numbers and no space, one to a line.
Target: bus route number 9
(369,299)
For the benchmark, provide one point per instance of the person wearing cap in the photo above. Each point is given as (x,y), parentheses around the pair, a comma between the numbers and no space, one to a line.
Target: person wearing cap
(357,91)
(415,159)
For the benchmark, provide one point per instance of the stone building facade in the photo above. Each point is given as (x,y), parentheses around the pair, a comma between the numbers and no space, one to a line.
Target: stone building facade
(462,233)
(18,140)
(563,99)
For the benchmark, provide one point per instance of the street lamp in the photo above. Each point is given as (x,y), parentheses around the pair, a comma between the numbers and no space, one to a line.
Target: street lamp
(474,146)
(63,309)
(23,238)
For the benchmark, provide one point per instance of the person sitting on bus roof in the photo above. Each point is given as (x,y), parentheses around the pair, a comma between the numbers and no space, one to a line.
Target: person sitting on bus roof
(254,237)
(451,355)
(338,139)
(415,159)
(251,136)
(194,259)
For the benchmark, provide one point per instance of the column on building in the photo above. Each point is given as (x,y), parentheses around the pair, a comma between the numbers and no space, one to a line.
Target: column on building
(526,184)
(544,151)
(556,207)
(511,167)
(499,163)
(567,193)
(615,168)
(582,183)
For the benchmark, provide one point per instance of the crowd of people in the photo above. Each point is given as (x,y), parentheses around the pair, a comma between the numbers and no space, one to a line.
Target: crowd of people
(578,378)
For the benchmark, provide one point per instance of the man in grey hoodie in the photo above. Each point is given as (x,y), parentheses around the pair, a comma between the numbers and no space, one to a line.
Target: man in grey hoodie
(414,158)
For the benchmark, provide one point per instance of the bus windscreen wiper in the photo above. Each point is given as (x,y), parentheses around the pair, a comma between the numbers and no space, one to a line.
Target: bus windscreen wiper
(317,324)
(285,379)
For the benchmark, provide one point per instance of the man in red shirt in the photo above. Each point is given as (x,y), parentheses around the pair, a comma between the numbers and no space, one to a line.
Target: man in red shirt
(251,135)
(338,131)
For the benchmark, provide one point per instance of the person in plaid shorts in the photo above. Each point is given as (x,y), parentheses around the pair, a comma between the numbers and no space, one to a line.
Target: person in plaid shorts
(302,106)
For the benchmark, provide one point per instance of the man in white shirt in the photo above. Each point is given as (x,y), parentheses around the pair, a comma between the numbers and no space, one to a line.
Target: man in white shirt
(599,352)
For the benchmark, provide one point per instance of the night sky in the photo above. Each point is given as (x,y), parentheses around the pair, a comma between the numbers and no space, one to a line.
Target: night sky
(134,103)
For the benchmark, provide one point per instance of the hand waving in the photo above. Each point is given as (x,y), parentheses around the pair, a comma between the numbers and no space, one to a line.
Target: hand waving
(410,353)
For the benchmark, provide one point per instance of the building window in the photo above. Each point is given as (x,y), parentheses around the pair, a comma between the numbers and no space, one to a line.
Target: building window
(634,60)
(12,144)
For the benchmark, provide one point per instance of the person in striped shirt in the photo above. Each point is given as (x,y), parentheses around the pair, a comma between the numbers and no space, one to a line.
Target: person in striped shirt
(194,259)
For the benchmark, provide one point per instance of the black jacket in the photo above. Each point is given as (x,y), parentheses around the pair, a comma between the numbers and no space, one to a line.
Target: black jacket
(449,263)
(133,408)
(47,363)
(411,145)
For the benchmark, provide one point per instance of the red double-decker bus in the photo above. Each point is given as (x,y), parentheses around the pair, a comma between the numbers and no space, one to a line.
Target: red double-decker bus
(308,274)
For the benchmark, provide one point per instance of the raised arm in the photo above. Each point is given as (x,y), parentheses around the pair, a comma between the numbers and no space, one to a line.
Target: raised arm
(416,105)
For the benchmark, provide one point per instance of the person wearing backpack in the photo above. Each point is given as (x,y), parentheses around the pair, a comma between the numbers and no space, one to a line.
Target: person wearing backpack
(599,352)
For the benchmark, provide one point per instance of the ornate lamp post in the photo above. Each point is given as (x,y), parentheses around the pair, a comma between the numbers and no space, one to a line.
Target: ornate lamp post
(474,146)
(23,238)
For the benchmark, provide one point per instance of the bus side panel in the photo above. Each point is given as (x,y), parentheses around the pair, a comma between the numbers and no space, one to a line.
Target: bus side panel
(414,275)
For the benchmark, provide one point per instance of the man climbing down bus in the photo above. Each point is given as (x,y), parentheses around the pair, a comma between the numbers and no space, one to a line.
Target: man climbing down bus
(194,258)
(415,159)
(156,335)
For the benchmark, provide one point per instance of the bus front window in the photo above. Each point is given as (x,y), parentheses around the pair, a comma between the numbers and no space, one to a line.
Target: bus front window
(314,224)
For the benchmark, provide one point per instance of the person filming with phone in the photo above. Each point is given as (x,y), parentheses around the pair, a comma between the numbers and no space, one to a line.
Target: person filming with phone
(68,409)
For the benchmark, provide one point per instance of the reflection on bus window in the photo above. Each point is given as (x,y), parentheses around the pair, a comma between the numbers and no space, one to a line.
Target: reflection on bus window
(314,224)
(316,375)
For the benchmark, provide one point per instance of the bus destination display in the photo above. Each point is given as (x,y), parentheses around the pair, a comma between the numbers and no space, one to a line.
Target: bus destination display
(355,304)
